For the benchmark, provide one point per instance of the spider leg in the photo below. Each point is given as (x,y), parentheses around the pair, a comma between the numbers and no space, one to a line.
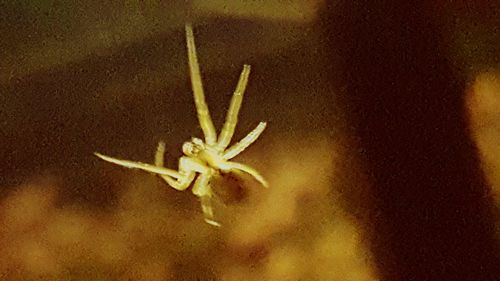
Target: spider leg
(160,152)
(234,108)
(203,190)
(206,207)
(249,170)
(141,166)
(199,97)
(187,170)
(238,147)
(178,180)
(181,183)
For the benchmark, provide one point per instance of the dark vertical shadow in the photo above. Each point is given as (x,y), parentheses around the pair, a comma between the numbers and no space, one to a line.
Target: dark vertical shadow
(434,217)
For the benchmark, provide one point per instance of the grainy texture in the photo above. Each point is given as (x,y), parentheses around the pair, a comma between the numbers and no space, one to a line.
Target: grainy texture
(65,215)
(433,215)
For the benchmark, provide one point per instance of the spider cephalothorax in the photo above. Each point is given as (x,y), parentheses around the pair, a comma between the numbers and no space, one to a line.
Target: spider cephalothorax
(193,147)
(204,158)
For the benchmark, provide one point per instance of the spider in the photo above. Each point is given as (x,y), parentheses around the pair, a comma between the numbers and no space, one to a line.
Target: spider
(204,159)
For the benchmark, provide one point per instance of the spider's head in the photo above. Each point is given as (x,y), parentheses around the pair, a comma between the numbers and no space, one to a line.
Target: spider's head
(193,147)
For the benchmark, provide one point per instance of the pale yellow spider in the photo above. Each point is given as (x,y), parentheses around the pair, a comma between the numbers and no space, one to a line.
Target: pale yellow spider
(204,158)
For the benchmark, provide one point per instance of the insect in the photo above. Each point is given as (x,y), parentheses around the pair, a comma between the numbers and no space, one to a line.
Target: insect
(204,159)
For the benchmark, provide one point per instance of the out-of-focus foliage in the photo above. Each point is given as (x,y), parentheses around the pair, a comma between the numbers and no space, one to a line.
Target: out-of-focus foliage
(292,10)
(289,232)
(113,84)
(483,104)
(82,76)
(46,34)
(470,34)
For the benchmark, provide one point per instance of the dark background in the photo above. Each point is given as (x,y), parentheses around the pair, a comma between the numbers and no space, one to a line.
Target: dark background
(406,94)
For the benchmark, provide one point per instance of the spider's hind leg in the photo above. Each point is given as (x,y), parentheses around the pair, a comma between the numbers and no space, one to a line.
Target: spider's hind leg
(203,190)
(206,207)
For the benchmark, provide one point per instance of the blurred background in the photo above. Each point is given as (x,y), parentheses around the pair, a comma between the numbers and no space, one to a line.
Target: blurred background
(78,77)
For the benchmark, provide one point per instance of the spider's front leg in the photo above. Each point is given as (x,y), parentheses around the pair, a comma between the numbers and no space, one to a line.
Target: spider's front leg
(141,166)
(186,170)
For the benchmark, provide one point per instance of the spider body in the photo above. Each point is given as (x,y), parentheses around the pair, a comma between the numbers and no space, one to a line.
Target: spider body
(204,159)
